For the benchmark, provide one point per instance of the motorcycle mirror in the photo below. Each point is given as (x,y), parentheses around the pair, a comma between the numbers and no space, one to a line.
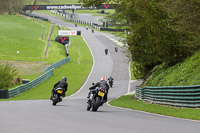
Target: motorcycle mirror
(92,83)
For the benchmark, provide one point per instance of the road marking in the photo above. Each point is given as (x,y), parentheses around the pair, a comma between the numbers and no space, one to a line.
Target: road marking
(129,84)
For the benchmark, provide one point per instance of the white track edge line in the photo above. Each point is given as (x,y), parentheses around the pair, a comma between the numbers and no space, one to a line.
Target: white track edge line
(144,111)
(140,111)
(89,73)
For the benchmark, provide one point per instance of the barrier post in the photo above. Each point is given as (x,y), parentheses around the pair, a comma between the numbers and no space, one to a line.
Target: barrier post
(53,71)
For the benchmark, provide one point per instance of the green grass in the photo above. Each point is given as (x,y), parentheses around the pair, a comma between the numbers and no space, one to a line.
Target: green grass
(128,102)
(68,21)
(56,51)
(119,34)
(76,71)
(23,35)
(94,12)
(182,74)
(131,71)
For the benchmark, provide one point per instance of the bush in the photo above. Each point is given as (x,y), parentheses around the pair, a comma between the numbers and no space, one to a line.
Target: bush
(7,74)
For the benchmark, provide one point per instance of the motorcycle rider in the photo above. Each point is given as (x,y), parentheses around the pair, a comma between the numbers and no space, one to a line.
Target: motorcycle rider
(110,79)
(106,51)
(102,84)
(62,84)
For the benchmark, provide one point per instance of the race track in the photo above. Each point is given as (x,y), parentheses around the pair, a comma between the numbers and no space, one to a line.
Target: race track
(70,116)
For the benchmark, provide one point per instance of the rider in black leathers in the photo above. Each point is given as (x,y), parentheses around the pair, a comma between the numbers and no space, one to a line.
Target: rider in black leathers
(110,79)
(102,84)
(62,84)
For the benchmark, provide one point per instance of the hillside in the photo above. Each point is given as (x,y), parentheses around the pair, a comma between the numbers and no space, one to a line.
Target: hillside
(22,45)
(182,74)
(22,35)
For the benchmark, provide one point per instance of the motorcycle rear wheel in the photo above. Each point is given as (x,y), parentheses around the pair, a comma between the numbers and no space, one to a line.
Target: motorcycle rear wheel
(96,104)
(55,100)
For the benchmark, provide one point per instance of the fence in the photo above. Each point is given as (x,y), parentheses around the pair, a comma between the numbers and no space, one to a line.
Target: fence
(48,73)
(93,25)
(181,96)
(35,16)
(57,64)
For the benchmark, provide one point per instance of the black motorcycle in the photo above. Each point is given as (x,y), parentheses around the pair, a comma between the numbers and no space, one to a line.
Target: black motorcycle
(97,99)
(57,96)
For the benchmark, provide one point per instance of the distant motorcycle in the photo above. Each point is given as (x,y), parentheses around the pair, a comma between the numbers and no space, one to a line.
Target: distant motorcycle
(97,99)
(57,96)
(106,51)
(110,82)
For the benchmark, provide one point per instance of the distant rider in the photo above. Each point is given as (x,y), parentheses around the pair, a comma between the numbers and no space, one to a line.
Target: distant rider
(110,80)
(102,84)
(62,84)
(106,51)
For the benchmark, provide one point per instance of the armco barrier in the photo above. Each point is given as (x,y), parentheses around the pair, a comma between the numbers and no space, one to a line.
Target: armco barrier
(57,64)
(48,73)
(31,84)
(180,96)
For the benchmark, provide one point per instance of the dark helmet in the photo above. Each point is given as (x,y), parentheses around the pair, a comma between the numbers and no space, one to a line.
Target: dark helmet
(64,78)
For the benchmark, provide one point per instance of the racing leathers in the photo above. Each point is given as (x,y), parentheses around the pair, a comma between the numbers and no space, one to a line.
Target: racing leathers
(102,84)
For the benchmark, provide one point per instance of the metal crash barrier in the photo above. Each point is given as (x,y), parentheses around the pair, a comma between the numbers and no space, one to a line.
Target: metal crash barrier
(48,73)
(180,96)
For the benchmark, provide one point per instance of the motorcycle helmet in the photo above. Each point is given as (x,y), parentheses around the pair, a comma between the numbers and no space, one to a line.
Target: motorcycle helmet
(103,78)
(64,78)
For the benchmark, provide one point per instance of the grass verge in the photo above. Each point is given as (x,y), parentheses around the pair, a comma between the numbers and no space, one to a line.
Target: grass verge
(76,71)
(95,12)
(128,101)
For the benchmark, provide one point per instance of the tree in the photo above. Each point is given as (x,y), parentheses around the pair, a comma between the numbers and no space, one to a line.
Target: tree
(95,3)
(7,74)
(11,6)
(162,31)
(154,39)
(36,1)
(185,14)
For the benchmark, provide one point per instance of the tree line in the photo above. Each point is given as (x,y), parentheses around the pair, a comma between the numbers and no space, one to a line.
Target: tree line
(16,6)
(162,31)
(11,6)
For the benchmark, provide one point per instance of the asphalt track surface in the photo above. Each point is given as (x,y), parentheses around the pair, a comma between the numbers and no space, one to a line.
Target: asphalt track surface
(70,116)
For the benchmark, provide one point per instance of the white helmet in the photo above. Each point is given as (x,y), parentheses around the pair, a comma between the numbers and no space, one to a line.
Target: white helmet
(103,78)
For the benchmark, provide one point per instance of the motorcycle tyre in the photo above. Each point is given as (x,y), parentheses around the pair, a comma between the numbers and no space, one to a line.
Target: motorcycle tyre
(55,100)
(111,85)
(96,104)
